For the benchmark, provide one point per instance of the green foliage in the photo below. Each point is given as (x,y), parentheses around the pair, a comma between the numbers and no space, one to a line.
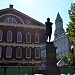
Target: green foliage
(64,57)
(70,55)
(57,57)
(71,29)
(72,12)
(71,25)
(71,58)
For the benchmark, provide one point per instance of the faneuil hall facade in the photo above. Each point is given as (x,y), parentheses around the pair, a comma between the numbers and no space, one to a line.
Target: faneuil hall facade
(21,38)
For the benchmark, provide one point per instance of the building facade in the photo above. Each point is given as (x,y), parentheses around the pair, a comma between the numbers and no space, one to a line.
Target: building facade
(61,40)
(20,38)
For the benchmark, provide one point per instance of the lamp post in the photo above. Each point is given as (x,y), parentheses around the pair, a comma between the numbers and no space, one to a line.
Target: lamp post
(18,68)
(32,66)
(28,61)
(5,68)
(69,61)
(72,51)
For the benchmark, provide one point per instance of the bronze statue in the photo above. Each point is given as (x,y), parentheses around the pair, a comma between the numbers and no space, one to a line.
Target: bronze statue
(48,29)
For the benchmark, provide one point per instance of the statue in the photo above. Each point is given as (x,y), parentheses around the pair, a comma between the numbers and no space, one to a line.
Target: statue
(48,29)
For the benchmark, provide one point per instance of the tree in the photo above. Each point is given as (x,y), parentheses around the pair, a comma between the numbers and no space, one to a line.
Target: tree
(71,29)
(71,25)
(57,58)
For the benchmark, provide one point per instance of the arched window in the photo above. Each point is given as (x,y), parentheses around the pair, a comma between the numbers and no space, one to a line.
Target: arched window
(9,36)
(8,52)
(28,53)
(10,20)
(0,51)
(19,37)
(28,37)
(37,53)
(1,34)
(36,38)
(19,52)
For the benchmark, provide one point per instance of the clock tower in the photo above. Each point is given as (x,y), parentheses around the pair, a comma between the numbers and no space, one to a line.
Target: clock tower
(58,27)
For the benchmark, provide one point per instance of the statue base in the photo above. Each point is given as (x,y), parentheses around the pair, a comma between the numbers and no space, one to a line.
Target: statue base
(51,67)
(52,70)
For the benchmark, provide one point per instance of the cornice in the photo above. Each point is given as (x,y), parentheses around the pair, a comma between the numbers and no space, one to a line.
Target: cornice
(23,25)
(19,61)
(20,44)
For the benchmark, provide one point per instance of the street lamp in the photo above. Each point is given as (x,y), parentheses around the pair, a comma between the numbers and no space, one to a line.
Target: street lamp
(28,61)
(32,66)
(72,51)
(69,61)
(5,68)
(18,68)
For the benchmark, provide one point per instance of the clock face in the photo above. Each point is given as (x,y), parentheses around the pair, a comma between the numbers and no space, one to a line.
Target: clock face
(28,21)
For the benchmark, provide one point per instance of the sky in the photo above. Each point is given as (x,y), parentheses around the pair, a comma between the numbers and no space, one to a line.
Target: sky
(42,9)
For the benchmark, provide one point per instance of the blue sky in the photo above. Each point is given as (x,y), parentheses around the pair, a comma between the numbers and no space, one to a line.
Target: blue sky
(41,9)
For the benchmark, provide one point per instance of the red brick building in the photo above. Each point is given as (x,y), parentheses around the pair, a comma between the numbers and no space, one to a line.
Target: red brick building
(20,38)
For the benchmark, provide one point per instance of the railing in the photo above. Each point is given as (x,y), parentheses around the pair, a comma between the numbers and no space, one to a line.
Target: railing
(67,70)
(18,70)
(32,70)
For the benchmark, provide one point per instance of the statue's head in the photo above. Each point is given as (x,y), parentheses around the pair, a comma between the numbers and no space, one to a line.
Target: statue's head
(48,19)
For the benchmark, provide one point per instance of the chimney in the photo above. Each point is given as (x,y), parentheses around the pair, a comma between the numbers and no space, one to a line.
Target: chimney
(10,6)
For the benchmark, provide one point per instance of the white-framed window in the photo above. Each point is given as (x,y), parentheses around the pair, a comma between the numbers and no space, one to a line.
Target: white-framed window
(9,36)
(8,52)
(19,37)
(37,53)
(28,37)
(19,52)
(1,35)
(28,52)
(0,51)
(36,38)
(10,20)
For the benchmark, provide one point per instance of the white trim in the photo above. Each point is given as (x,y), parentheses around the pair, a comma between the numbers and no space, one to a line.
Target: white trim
(19,61)
(9,19)
(16,52)
(6,52)
(24,25)
(27,38)
(35,38)
(28,16)
(26,52)
(1,35)
(17,36)
(63,35)
(35,52)
(20,44)
(7,36)
(13,15)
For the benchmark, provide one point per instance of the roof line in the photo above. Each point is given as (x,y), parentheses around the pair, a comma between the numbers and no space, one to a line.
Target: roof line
(22,14)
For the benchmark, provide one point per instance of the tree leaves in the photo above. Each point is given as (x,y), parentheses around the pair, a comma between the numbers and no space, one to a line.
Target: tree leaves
(71,29)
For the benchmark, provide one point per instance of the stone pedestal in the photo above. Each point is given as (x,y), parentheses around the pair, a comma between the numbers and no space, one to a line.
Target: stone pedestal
(51,67)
